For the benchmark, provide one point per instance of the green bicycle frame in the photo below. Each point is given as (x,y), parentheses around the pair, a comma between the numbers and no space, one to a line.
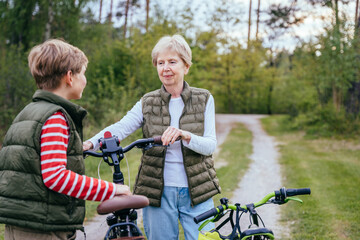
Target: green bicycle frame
(257,204)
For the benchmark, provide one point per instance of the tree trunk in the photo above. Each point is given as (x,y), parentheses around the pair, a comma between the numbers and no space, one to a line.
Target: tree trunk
(49,22)
(126,16)
(147,14)
(229,85)
(100,11)
(257,20)
(356,14)
(249,23)
(336,91)
(111,11)
(337,12)
(353,98)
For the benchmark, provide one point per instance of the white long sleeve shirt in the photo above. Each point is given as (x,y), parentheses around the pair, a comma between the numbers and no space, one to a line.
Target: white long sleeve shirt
(174,171)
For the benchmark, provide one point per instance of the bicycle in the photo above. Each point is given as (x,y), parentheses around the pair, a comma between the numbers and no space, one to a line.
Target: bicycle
(259,232)
(122,222)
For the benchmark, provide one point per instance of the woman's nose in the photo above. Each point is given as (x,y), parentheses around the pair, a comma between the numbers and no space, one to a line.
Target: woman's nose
(166,66)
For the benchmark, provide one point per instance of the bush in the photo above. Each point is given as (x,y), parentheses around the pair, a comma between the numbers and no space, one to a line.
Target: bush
(326,122)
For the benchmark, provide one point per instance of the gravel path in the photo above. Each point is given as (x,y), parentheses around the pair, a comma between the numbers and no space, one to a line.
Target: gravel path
(262,177)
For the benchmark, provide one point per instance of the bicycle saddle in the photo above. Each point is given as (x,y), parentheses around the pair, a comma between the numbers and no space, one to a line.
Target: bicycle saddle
(122,202)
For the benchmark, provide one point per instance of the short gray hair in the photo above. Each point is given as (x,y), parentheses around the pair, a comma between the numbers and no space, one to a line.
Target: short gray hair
(176,43)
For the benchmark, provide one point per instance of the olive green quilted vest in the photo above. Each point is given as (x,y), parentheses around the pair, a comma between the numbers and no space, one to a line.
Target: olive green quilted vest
(201,175)
(24,199)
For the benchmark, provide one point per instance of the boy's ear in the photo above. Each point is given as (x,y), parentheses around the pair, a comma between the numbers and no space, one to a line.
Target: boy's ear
(68,78)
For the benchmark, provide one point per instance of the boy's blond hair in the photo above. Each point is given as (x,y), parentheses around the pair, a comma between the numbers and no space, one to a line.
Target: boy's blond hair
(51,60)
(176,43)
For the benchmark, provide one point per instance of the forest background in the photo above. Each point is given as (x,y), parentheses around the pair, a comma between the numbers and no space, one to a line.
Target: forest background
(316,83)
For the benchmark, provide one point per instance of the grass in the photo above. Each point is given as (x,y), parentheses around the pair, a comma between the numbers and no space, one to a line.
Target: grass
(331,168)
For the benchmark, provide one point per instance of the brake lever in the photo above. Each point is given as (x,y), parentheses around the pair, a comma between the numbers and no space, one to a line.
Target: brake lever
(280,202)
(151,145)
(275,201)
(294,199)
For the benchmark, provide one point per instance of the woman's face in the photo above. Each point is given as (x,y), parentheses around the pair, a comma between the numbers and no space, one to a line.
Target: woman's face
(171,69)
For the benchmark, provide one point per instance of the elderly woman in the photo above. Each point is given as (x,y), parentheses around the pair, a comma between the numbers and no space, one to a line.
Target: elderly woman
(178,179)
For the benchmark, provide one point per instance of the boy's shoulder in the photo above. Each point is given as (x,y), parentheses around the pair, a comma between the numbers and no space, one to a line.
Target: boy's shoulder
(40,111)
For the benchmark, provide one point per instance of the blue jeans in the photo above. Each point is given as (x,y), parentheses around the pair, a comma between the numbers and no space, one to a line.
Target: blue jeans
(161,223)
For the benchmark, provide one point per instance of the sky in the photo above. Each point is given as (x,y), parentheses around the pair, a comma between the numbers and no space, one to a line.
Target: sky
(311,27)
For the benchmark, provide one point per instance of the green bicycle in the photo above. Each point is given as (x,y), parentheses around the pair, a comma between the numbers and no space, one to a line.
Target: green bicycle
(259,232)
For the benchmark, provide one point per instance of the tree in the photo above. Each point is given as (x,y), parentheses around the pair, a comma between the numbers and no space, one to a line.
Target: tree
(249,24)
(282,18)
(50,20)
(353,100)
(126,15)
(21,23)
(111,11)
(147,14)
(100,11)
(257,20)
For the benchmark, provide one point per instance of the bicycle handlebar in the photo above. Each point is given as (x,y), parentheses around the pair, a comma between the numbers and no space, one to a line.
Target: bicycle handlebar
(280,197)
(210,213)
(141,143)
(113,153)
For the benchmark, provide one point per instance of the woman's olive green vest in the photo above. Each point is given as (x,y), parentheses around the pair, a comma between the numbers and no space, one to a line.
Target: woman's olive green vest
(24,199)
(201,175)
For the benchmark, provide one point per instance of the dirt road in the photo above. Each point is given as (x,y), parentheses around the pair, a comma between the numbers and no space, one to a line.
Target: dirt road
(262,177)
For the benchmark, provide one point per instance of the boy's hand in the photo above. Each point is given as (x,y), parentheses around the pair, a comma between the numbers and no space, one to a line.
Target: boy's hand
(122,190)
(87,145)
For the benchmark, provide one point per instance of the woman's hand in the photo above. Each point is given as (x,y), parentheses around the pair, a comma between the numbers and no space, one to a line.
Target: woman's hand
(122,190)
(172,134)
(87,145)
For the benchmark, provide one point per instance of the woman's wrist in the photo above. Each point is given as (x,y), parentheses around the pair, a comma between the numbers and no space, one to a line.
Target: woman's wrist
(185,136)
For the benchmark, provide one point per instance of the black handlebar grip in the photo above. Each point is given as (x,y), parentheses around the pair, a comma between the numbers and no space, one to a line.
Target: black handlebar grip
(210,213)
(92,153)
(300,191)
(157,140)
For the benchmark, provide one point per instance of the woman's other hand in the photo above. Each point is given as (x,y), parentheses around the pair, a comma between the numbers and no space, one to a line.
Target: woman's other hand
(87,145)
(172,134)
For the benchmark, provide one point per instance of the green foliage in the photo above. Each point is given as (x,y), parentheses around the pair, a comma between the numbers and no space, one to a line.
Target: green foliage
(317,84)
(317,87)
(16,85)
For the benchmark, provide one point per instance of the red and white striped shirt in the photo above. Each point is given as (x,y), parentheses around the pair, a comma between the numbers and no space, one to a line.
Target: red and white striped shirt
(54,143)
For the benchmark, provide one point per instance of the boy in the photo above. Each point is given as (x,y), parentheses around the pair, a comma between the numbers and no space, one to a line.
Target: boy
(42,186)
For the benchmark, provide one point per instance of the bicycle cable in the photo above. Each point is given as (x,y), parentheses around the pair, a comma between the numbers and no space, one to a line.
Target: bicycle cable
(99,168)
(127,164)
